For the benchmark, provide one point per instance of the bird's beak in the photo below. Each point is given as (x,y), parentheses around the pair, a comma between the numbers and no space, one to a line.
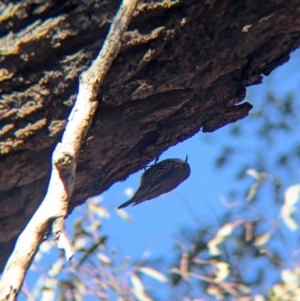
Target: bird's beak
(186,159)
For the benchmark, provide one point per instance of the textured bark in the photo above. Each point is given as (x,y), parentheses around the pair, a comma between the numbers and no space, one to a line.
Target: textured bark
(183,67)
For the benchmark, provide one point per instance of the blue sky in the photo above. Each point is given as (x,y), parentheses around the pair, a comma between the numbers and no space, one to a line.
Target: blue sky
(155,225)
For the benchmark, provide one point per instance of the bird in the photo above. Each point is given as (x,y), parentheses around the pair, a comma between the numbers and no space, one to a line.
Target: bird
(158,179)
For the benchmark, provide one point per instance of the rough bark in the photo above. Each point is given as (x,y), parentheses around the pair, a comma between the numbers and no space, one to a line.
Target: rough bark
(183,67)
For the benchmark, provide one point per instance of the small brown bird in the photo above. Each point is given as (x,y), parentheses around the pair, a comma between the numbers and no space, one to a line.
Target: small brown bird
(158,179)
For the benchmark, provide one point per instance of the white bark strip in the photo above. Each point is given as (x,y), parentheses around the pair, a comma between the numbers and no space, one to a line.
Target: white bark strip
(54,207)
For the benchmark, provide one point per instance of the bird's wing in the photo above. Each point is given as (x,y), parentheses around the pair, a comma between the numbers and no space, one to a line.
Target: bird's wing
(147,195)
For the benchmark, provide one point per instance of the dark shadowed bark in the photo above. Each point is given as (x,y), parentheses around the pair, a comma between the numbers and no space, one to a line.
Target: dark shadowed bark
(183,67)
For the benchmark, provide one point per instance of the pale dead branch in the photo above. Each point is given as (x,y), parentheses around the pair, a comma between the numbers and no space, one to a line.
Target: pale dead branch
(54,207)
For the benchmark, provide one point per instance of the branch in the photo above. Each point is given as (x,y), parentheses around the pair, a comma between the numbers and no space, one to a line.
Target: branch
(54,207)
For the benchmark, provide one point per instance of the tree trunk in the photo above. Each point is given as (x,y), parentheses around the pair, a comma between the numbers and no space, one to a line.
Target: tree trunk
(183,67)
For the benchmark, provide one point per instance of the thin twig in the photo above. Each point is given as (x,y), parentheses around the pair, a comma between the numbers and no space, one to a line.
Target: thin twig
(54,207)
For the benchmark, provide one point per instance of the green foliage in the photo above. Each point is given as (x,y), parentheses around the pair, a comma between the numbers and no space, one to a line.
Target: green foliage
(95,271)
(253,254)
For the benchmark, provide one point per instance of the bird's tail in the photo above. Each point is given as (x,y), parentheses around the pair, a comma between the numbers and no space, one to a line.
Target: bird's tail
(126,204)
